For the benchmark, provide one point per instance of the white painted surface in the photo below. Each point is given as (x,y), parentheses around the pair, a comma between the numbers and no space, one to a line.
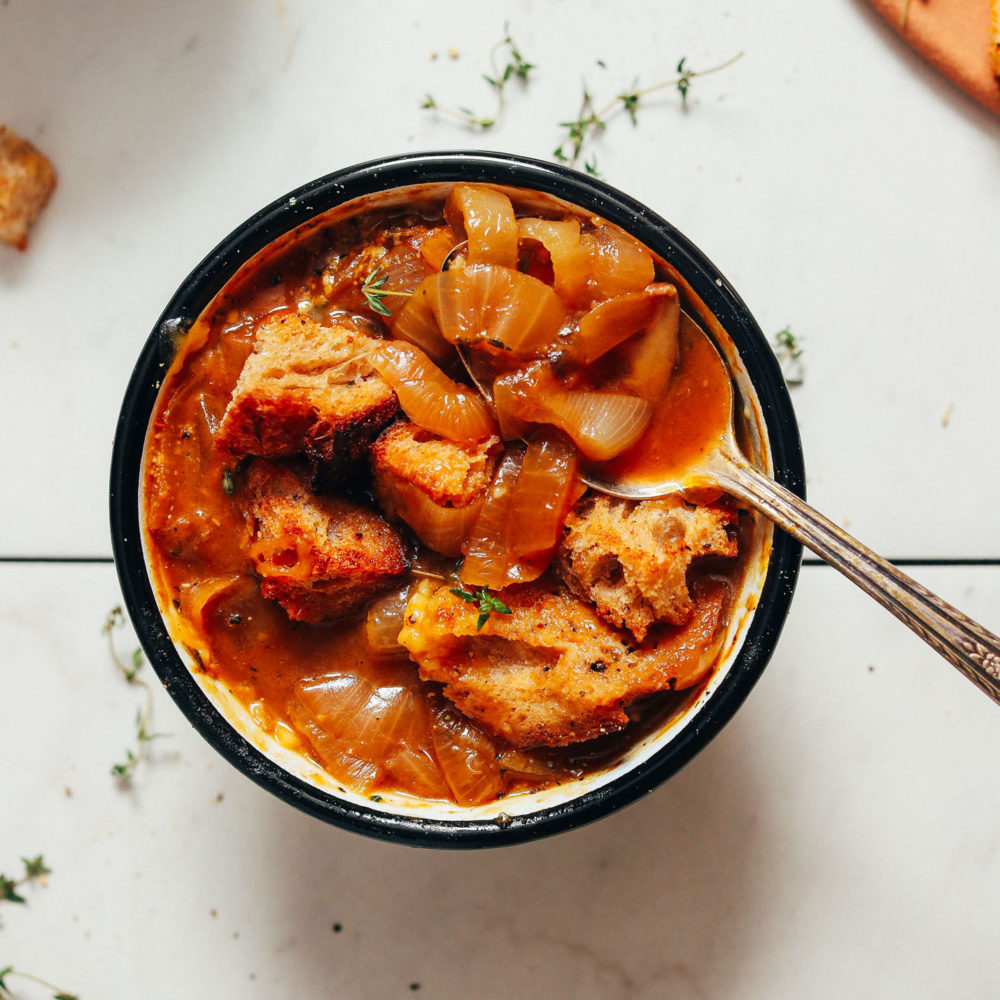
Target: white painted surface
(840,838)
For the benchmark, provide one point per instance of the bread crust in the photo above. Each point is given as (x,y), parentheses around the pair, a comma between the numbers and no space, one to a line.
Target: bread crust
(307,389)
(322,558)
(630,559)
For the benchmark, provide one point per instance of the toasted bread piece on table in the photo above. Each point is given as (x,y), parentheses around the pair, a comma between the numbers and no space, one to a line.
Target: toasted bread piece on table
(26,183)
(307,388)
(552,672)
(321,558)
(434,485)
(630,559)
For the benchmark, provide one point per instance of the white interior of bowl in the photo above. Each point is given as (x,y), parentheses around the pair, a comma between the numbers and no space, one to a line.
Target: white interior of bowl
(293,761)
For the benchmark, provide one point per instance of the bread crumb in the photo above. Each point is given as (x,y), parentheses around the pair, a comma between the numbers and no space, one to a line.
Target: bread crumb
(27,180)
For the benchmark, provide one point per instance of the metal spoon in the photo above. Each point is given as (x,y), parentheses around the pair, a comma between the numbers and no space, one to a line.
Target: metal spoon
(965,644)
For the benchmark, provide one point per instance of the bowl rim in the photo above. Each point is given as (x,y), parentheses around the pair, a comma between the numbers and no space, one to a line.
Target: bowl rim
(285,214)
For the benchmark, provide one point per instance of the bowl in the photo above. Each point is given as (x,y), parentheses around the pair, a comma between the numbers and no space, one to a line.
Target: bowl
(770,434)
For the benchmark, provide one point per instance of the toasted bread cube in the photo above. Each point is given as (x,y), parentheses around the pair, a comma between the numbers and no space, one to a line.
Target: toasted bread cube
(320,558)
(307,389)
(630,559)
(26,183)
(551,672)
(434,485)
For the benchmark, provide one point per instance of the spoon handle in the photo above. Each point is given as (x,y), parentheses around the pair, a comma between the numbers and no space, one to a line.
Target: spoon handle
(962,642)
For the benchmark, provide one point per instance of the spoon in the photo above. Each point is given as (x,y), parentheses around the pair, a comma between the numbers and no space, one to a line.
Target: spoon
(965,644)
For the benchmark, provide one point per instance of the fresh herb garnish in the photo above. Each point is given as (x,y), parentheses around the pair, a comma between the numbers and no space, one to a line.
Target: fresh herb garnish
(374,291)
(789,353)
(5,991)
(34,868)
(124,770)
(590,121)
(228,483)
(515,67)
(488,603)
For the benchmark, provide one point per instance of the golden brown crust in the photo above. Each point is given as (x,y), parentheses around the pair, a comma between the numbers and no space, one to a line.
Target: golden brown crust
(27,180)
(449,473)
(307,388)
(551,672)
(321,558)
(631,559)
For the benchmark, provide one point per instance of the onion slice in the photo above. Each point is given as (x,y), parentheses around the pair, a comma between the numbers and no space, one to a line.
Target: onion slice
(651,355)
(601,424)
(496,307)
(616,319)
(569,256)
(428,397)
(487,558)
(618,263)
(415,323)
(443,529)
(487,218)
(543,495)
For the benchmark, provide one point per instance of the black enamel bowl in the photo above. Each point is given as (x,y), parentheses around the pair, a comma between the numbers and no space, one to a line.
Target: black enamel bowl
(772,567)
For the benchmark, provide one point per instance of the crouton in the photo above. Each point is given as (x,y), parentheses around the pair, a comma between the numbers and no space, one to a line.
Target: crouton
(551,672)
(307,388)
(631,559)
(434,485)
(26,183)
(320,558)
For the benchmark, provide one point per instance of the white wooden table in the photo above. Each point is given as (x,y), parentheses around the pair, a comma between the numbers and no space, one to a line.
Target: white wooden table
(841,837)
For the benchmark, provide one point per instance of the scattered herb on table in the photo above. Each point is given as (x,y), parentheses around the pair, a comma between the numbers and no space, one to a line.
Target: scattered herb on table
(374,290)
(34,868)
(788,349)
(488,603)
(9,970)
(125,769)
(591,121)
(515,67)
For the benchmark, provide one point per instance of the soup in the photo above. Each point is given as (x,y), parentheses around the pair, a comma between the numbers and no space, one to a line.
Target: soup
(390,558)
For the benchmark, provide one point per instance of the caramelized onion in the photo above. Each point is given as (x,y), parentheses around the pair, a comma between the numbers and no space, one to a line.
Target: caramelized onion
(428,397)
(496,306)
(618,263)
(542,496)
(614,320)
(385,620)
(487,218)
(570,259)
(601,424)
(487,558)
(443,529)
(467,757)
(415,323)
(651,355)
(437,245)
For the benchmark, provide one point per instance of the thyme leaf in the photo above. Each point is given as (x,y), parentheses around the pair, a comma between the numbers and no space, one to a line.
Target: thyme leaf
(788,350)
(34,868)
(124,770)
(5,991)
(514,67)
(488,603)
(374,291)
(591,120)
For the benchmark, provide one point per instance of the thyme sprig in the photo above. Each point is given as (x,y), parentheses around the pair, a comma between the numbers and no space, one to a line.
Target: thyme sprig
(125,769)
(34,868)
(515,67)
(788,350)
(488,603)
(591,121)
(9,970)
(374,290)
